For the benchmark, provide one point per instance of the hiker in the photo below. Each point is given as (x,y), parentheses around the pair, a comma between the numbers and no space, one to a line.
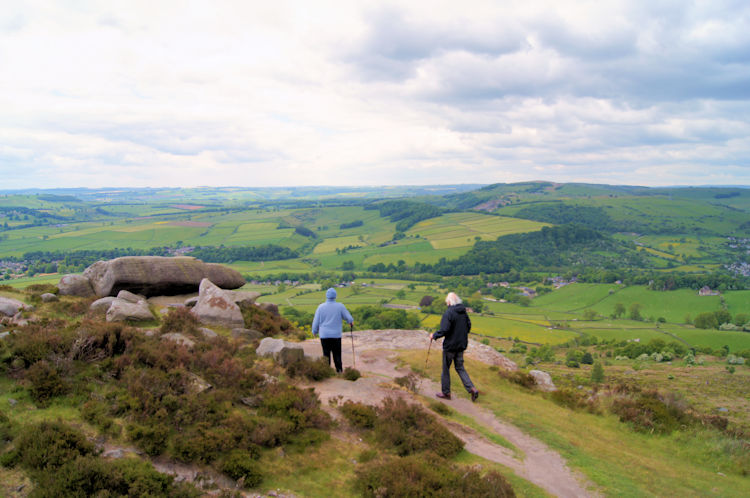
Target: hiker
(454,326)
(327,324)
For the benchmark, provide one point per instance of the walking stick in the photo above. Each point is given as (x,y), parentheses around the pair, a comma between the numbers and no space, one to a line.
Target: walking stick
(354,358)
(428,354)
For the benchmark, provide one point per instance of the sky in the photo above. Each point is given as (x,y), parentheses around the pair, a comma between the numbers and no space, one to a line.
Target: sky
(285,93)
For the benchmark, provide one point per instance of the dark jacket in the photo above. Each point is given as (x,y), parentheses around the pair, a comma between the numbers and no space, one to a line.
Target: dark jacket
(454,326)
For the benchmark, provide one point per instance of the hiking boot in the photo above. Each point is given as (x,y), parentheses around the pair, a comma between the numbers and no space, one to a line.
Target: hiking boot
(443,396)
(474,395)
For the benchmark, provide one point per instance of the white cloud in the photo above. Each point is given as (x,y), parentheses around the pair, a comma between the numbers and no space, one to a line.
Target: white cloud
(354,93)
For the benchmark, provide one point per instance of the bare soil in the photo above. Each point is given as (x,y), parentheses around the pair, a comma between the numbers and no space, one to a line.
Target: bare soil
(376,360)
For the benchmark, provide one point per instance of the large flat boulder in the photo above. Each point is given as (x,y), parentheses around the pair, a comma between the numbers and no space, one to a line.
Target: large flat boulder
(216,307)
(158,275)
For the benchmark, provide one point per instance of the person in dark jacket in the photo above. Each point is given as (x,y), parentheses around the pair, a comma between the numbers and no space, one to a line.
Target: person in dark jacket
(454,326)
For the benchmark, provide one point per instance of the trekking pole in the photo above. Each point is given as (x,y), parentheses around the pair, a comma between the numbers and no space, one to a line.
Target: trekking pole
(354,358)
(428,354)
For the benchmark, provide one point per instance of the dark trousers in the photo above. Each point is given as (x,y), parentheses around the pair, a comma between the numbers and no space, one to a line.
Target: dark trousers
(332,346)
(445,379)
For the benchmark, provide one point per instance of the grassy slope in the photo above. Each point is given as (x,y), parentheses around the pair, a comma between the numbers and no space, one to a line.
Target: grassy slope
(620,461)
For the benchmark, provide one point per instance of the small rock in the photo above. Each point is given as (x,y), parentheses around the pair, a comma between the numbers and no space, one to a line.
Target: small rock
(180,339)
(102,305)
(130,297)
(723,410)
(543,381)
(246,334)
(49,298)
(208,333)
(116,453)
(252,401)
(282,351)
(12,402)
(3,335)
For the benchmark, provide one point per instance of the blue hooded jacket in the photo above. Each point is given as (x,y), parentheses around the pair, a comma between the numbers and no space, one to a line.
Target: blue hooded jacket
(328,316)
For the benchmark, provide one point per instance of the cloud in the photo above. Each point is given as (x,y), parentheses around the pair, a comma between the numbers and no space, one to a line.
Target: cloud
(358,93)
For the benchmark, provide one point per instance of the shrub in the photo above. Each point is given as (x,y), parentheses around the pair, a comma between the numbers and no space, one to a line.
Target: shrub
(47,446)
(301,407)
(426,301)
(317,369)
(409,381)
(410,429)
(429,476)
(440,408)
(523,379)
(150,438)
(90,476)
(569,398)
(38,341)
(268,323)
(46,382)
(587,358)
(359,414)
(597,373)
(240,464)
(650,411)
(98,340)
(180,320)
(352,374)
(5,428)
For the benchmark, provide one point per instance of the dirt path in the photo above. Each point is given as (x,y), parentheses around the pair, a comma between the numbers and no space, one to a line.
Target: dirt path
(375,358)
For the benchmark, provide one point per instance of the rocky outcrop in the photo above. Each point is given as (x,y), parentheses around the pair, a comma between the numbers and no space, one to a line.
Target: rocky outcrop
(215,306)
(121,311)
(75,285)
(10,307)
(282,351)
(157,275)
(543,380)
(244,297)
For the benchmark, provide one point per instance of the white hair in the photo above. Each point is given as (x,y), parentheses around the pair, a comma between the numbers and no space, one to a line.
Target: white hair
(452,299)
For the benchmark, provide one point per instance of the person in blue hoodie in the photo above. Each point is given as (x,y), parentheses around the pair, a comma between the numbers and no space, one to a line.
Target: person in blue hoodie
(327,324)
(454,326)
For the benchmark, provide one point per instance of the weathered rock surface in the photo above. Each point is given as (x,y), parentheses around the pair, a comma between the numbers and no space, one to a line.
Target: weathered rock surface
(543,380)
(75,285)
(282,351)
(121,310)
(244,297)
(208,333)
(196,384)
(157,275)
(215,307)
(246,334)
(180,339)
(130,297)
(102,305)
(48,297)
(10,307)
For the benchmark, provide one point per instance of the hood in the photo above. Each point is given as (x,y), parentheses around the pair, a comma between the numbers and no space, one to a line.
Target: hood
(331,294)
(459,308)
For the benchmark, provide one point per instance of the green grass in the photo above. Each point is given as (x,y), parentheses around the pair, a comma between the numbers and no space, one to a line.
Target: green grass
(620,461)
